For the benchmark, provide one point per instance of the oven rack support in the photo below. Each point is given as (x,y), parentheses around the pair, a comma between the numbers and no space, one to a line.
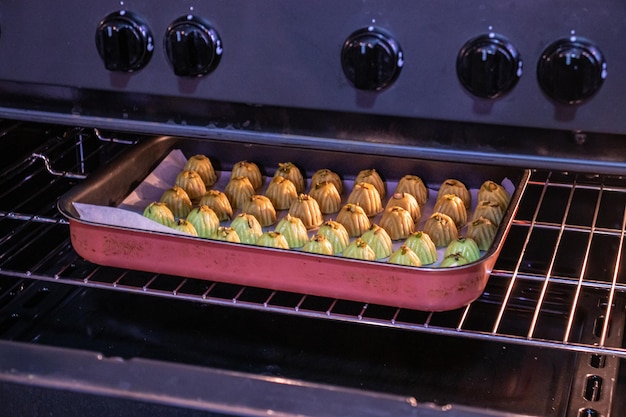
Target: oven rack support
(561,267)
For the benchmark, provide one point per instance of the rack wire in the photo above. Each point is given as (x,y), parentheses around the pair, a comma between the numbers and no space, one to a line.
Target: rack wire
(560,268)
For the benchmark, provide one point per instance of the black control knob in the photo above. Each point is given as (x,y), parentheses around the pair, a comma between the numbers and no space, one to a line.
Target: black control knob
(192,46)
(371,59)
(571,70)
(124,42)
(489,66)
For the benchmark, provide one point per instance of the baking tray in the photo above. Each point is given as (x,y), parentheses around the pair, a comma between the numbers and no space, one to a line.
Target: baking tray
(423,288)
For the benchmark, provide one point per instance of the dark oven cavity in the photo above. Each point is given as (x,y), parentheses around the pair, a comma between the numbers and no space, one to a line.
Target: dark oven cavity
(544,338)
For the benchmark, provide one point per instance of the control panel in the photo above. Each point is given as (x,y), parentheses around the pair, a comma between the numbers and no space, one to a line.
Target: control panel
(551,65)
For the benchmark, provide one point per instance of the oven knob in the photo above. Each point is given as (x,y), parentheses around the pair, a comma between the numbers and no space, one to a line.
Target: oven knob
(488,66)
(571,70)
(124,42)
(371,59)
(192,46)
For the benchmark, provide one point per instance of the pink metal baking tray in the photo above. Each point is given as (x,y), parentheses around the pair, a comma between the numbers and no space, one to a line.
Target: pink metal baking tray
(125,245)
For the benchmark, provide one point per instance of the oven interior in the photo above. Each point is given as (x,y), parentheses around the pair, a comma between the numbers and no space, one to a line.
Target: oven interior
(545,338)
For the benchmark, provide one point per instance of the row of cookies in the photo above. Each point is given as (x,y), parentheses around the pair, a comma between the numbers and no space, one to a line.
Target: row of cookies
(399,219)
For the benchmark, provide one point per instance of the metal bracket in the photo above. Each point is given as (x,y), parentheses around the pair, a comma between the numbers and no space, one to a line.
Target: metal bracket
(593,381)
(103,138)
(74,175)
(51,170)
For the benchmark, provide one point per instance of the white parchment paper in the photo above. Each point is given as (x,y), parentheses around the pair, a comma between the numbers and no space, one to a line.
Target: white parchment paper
(130,212)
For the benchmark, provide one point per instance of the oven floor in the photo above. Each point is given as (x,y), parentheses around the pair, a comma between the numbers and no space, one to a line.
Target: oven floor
(430,368)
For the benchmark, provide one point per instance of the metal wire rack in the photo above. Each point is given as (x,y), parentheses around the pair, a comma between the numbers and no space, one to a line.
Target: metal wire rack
(560,269)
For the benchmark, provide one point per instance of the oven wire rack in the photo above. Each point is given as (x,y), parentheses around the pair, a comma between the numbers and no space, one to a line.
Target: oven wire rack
(560,268)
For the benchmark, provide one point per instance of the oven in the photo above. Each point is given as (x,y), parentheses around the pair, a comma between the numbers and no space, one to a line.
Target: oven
(503,85)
